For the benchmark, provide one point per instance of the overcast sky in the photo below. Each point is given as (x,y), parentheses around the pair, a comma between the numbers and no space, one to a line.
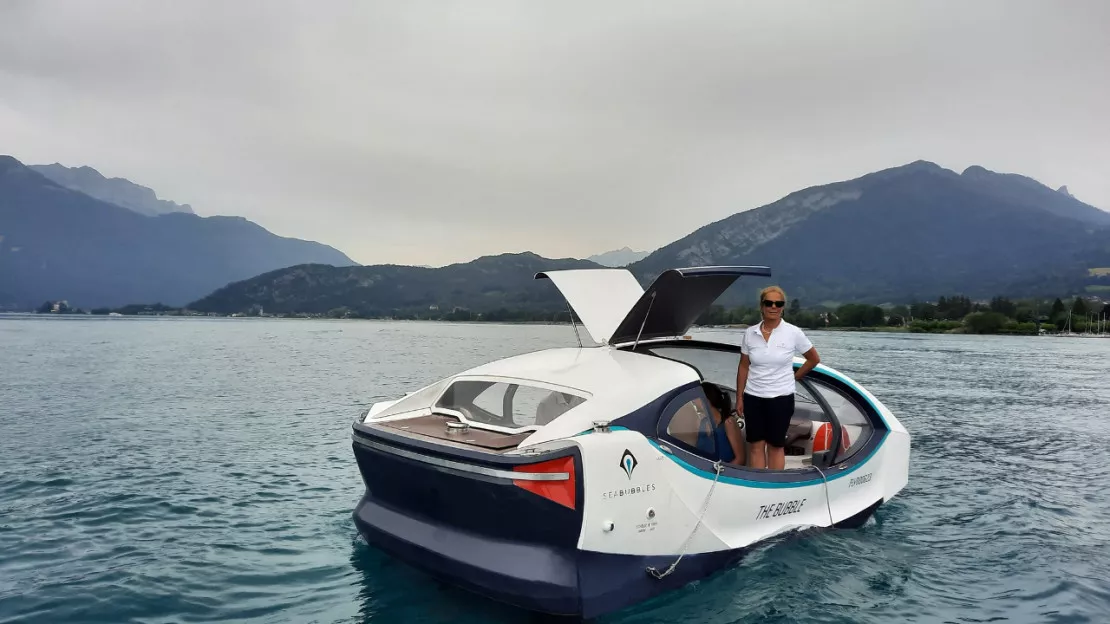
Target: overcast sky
(428,133)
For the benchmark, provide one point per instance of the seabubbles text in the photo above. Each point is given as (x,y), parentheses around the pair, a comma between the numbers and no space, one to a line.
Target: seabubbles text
(628,491)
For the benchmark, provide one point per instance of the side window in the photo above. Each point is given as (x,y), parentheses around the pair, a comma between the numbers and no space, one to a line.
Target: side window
(506,404)
(806,411)
(852,419)
(539,406)
(492,399)
(806,406)
(692,425)
(716,366)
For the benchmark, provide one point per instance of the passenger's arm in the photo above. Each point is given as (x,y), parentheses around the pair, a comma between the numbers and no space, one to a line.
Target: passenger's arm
(732,430)
(812,359)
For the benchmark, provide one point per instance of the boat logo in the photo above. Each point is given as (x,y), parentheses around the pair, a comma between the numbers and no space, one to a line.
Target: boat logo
(628,463)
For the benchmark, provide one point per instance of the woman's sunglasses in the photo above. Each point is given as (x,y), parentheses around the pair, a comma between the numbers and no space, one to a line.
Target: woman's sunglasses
(768,303)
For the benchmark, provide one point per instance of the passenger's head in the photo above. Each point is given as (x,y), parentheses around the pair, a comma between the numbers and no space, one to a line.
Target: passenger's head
(718,399)
(772,302)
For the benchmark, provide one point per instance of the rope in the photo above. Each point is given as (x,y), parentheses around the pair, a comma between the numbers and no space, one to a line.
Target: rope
(704,506)
(827,505)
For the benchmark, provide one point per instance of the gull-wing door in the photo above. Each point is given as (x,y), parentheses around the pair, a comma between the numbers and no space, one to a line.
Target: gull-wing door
(600,297)
(615,309)
(676,299)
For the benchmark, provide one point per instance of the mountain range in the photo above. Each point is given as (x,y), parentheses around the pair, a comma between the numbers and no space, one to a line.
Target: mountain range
(60,242)
(912,232)
(484,285)
(907,233)
(116,191)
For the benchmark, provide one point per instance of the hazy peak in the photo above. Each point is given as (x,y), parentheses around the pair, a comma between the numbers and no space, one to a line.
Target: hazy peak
(618,257)
(119,191)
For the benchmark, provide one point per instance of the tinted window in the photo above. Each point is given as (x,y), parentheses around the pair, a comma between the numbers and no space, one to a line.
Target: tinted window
(692,424)
(850,415)
(506,404)
(718,367)
(805,406)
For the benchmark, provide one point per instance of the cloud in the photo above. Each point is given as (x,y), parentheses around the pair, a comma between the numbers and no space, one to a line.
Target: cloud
(427,133)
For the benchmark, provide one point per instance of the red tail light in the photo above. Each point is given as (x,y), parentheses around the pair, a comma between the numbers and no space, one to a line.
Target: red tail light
(561,491)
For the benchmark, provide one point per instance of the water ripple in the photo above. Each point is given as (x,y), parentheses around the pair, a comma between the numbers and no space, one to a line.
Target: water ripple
(200,470)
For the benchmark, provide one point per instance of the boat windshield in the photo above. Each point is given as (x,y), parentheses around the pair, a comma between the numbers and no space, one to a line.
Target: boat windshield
(511,405)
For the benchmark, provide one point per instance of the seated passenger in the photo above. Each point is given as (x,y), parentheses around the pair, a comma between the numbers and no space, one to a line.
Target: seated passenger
(726,431)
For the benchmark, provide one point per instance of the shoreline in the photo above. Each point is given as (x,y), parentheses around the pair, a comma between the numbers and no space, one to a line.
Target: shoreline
(961,331)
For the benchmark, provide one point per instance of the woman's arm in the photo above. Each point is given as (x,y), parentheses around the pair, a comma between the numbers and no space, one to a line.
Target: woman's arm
(812,359)
(741,382)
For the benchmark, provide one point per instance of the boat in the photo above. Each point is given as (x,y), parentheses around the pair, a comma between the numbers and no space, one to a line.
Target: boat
(572,480)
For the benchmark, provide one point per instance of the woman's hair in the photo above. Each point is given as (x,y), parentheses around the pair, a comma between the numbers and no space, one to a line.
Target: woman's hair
(717,398)
(778,289)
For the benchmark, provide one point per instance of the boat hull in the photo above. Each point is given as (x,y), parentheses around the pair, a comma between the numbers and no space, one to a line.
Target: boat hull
(537,578)
(633,503)
(530,576)
(487,535)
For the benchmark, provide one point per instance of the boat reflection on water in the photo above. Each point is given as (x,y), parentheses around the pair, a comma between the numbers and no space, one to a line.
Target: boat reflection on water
(386,594)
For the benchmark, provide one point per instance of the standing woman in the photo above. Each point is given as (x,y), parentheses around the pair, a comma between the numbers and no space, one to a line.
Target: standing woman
(765,379)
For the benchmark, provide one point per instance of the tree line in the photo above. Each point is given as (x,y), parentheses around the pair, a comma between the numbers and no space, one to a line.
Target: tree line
(1000,315)
(949,313)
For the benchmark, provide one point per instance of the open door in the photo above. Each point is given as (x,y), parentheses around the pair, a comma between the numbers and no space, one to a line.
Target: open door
(600,297)
(616,310)
(676,299)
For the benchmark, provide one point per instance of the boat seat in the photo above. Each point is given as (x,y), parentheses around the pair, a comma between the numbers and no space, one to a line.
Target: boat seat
(799,431)
(801,423)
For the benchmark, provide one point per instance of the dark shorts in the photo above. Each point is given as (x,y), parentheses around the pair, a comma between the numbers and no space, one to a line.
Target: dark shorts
(766,420)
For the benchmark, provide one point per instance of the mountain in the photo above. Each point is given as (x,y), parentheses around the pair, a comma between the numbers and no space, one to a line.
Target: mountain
(619,257)
(57,243)
(915,231)
(907,233)
(1028,192)
(483,285)
(116,191)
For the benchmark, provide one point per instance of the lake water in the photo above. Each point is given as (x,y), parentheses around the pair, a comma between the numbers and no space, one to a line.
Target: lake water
(188,470)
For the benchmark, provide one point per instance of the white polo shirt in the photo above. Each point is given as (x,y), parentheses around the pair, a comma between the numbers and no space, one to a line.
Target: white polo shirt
(771,373)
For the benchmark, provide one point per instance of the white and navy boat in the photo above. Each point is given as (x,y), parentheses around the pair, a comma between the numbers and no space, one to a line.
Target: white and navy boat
(579,481)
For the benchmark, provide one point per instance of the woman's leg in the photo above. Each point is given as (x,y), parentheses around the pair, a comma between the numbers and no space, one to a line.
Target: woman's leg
(776,457)
(780,409)
(754,426)
(757,455)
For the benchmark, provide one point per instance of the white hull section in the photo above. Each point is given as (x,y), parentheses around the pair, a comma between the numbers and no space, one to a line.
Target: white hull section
(655,508)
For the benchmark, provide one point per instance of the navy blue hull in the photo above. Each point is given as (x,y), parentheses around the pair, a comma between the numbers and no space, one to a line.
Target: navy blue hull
(528,576)
(537,578)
